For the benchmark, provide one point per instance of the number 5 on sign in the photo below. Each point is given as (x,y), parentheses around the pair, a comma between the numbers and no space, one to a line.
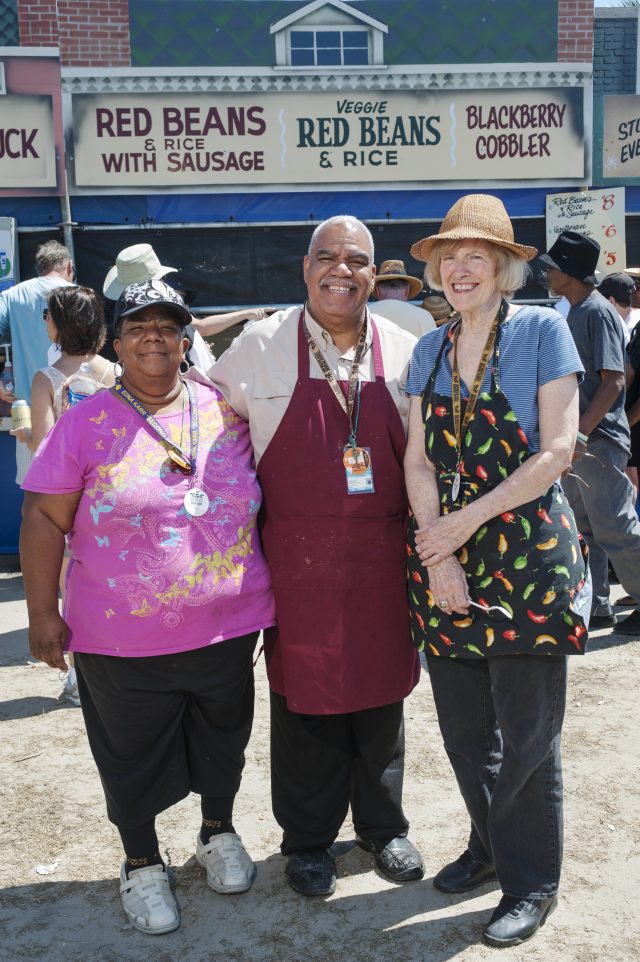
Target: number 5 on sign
(597,213)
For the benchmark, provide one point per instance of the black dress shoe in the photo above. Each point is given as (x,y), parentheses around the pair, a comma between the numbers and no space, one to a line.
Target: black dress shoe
(602,621)
(516,920)
(312,872)
(630,625)
(398,859)
(464,875)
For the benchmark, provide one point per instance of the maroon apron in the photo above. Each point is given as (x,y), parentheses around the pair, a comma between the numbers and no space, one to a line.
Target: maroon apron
(337,561)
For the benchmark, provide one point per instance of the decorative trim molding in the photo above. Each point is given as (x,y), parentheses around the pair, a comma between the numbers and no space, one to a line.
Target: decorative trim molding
(447,77)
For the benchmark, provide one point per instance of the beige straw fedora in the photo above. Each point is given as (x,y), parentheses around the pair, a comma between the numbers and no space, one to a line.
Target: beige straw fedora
(475,217)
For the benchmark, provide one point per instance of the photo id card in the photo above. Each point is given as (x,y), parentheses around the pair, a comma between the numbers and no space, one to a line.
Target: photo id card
(358,470)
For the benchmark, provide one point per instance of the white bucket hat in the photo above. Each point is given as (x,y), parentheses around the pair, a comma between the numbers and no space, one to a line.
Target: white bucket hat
(133,266)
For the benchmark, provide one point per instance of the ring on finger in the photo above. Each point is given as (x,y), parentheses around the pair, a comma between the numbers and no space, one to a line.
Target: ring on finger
(443,604)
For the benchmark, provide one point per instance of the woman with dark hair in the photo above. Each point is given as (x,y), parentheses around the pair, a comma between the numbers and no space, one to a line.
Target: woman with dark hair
(75,321)
(154,484)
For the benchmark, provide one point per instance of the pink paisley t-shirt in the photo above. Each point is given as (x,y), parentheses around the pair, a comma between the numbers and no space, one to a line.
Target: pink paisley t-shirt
(146,577)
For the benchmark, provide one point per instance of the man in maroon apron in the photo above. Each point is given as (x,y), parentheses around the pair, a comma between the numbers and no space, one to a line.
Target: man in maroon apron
(321,389)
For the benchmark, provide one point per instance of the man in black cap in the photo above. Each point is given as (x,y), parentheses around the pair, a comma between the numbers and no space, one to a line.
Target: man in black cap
(599,491)
(618,289)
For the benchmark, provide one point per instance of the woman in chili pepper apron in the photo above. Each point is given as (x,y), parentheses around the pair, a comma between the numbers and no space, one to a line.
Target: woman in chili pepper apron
(497,573)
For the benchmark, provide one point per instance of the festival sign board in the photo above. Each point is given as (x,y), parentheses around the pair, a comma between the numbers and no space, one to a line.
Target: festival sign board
(31,129)
(596,213)
(198,139)
(621,137)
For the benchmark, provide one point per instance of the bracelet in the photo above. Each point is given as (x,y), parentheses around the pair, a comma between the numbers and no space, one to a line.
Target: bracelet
(582,438)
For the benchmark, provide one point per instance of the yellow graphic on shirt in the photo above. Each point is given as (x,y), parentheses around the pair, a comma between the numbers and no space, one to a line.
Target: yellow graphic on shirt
(219,566)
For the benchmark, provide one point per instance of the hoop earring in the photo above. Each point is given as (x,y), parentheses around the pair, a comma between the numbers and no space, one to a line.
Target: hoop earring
(187,366)
(118,368)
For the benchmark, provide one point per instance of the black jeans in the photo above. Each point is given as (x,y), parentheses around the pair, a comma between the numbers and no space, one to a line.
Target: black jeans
(501,721)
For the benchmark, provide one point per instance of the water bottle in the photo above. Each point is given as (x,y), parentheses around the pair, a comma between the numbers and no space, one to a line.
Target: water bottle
(7,377)
(81,385)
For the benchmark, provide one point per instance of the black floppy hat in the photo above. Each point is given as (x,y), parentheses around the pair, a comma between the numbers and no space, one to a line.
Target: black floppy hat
(574,254)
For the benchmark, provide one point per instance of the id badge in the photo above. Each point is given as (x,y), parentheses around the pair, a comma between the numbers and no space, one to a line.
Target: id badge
(358,470)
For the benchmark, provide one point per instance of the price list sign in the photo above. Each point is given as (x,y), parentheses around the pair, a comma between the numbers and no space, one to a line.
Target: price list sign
(596,213)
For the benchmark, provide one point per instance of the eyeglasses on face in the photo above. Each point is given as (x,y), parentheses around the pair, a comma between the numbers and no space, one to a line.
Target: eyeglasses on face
(45,314)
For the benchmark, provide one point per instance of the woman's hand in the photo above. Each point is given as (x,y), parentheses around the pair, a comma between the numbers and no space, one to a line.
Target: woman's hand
(21,434)
(439,538)
(47,637)
(449,586)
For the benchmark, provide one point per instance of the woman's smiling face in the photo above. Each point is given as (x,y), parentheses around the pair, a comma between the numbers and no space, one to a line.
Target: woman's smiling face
(468,273)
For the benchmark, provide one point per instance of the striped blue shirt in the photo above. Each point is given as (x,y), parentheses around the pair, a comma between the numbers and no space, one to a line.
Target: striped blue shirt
(536,347)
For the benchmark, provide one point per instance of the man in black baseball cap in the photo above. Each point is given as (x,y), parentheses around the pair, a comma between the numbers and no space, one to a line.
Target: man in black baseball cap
(598,488)
(619,289)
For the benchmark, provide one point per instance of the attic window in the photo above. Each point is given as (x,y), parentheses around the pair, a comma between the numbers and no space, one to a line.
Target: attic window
(329,47)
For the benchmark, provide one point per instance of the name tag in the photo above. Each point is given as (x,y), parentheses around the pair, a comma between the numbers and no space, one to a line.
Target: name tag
(358,470)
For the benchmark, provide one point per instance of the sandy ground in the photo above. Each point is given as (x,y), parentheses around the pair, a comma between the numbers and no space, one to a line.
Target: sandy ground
(52,813)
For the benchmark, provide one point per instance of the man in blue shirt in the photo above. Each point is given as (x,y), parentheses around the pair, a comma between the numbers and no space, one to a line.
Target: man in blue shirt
(598,488)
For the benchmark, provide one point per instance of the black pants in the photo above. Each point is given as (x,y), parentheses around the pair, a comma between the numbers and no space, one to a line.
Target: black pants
(321,763)
(163,726)
(501,720)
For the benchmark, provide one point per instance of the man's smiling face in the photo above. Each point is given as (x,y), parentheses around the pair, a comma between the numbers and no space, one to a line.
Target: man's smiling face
(339,272)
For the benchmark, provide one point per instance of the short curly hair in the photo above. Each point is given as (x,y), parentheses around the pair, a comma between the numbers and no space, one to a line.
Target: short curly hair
(51,256)
(78,317)
(511,271)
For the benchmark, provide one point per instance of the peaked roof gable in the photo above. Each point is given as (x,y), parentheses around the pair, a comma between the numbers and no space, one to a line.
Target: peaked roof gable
(317,5)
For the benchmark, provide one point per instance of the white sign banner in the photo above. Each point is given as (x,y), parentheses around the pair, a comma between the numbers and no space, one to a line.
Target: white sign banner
(27,144)
(596,213)
(328,138)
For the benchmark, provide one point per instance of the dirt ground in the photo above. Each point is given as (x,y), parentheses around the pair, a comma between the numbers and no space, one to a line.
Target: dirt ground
(52,815)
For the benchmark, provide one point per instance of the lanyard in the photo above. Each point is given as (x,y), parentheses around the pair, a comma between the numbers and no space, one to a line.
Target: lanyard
(354,384)
(460,429)
(186,462)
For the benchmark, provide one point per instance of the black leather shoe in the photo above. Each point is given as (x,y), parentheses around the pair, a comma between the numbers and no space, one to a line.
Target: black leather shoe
(602,621)
(630,625)
(312,872)
(398,859)
(516,920)
(464,875)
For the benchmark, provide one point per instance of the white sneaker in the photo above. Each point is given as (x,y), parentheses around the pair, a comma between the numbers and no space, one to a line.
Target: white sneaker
(70,691)
(148,900)
(228,864)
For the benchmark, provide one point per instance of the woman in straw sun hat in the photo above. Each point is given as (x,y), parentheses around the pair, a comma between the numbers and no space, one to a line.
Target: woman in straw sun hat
(496,574)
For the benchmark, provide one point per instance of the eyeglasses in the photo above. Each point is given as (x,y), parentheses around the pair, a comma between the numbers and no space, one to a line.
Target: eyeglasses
(45,314)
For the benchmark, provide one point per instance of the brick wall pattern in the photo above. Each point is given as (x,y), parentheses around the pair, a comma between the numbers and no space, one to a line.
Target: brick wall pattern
(575,31)
(615,54)
(89,33)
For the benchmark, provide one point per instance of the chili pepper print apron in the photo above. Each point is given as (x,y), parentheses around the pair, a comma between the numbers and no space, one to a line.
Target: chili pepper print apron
(343,640)
(530,561)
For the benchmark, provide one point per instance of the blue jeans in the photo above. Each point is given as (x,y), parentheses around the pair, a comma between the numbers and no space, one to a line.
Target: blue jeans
(501,721)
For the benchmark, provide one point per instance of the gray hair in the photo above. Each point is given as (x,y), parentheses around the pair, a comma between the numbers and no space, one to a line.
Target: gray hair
(51,256)
(341,219)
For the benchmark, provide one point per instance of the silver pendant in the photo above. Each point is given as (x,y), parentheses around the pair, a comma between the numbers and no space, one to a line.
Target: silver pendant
(196,502)
(455,489)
